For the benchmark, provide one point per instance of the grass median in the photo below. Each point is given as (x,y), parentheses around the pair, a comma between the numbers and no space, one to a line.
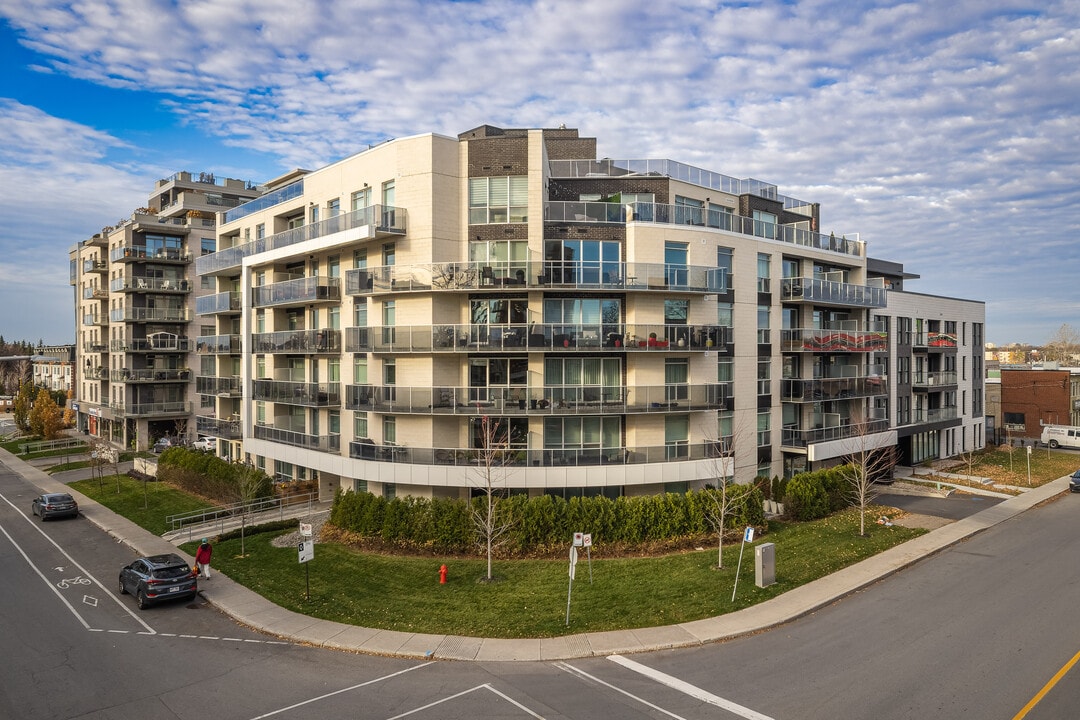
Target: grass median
(529,597)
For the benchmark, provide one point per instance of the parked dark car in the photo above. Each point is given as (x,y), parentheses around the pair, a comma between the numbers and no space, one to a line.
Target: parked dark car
(158,578)
(1074,482)
(51,505)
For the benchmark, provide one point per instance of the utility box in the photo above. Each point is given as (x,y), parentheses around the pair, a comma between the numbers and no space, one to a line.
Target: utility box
(765,564)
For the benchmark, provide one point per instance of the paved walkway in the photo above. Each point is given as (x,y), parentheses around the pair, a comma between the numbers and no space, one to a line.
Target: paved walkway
(251,609)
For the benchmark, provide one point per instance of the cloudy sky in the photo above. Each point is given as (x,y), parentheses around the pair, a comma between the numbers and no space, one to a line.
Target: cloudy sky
(944,133)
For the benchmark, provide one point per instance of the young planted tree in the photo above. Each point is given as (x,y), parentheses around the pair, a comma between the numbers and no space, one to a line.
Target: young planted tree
(493,456)
(728,495)
(870,458)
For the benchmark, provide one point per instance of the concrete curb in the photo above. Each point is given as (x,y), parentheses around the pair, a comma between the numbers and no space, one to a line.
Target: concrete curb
(251,609)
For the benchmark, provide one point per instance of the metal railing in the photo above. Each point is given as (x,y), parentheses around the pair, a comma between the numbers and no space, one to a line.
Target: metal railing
(178,522)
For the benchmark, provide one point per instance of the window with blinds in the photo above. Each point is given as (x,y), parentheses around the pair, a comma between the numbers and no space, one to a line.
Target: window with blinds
(498,200)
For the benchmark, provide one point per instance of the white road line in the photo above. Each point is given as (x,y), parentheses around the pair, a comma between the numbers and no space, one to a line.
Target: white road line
(455,696)
(338,692)
(63,552)
(685,687)
(578,671)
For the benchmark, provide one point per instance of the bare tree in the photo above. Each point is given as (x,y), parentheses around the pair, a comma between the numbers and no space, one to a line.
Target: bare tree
(180,426)
(493,456)
(728,494)
(1063,345)
(98,457)
(870,459)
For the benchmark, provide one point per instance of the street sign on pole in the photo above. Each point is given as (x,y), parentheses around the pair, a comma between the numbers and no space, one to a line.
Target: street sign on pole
(305,529)
(307,551)
(586,540)
(748,536)
(579,538)
(570,588)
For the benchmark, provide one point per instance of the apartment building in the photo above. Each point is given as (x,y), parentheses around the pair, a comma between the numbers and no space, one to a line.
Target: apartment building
(52,367)
(134,299)
(609,326)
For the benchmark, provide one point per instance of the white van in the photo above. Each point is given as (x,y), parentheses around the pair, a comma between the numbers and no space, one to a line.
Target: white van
(1060,436)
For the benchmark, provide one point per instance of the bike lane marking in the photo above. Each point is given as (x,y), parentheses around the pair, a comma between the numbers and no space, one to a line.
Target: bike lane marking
(85,573)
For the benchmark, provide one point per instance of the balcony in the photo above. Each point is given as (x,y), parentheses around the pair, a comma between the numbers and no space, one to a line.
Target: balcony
(223,302)
(137,253)
(925,380)
(297,393)
(825,292)
(95,319)
(95,293)
(322,443)
(301,291)
(934,340)
(179,407)
(829,389)
(98,266)
(932,415)
(283,194)
(157,342)
(371,223)
(797,438)
(297,341)
(558,211)
(220,386)
(366,449)
(144,314)
(228,429)
(218,344)
(833,341)
(95,347)
(149,284)
(150,375)
(556,400)
(582,275)
(536,337)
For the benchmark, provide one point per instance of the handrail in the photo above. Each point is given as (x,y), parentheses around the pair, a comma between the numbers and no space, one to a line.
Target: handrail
(177,522)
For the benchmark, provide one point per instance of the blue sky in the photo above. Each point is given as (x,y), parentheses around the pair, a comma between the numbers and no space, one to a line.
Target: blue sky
(942,133)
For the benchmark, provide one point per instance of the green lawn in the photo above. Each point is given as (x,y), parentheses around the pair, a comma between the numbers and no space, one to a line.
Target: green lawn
(146,504)
(529,599)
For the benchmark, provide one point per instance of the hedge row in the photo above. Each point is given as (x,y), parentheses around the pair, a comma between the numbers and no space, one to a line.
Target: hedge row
(208,475)
(818,494)
(537,524)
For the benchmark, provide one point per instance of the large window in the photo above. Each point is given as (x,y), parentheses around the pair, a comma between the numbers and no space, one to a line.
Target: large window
(583,380)
(491,379)
(589,262)
(498,199)
(676,379)
(582,440)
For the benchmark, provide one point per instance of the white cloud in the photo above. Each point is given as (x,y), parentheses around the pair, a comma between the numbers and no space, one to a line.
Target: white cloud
(943,132)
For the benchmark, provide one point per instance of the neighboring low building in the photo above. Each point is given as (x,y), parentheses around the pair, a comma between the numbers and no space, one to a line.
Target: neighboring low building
(1033,397)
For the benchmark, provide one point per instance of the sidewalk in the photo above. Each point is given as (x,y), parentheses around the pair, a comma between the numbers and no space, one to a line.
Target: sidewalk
(251,609)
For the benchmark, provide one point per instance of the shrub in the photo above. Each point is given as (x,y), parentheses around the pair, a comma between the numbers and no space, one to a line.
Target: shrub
(806,497)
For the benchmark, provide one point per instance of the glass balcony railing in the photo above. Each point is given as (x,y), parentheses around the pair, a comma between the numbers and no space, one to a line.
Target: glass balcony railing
(297,341)
(289,192)
(223,302)
(827,340)
(795,437)
(929,415)
(95,347)
(323,443)
(179,407)
(150,375)
(611,337)
(143,314)
(933,379)
(91,293)
(95,319)
(828,389)
(224,386)
(607,275)
(297,292)
(160,342)
(381,220)
(149,284)
(824,292)
(95,266)
(215,427)
(218,344)
(366,449)
(140,252)
(553,400)
(595,212)
(297,393)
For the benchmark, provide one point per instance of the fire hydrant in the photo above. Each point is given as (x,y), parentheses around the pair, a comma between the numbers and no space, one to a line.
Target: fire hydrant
(442,575)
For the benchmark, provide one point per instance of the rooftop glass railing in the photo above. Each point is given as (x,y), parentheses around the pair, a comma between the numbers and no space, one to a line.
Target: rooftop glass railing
(289,192)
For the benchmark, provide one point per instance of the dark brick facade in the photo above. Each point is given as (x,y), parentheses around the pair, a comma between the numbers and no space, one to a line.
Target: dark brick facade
(1039,395)
(569,190)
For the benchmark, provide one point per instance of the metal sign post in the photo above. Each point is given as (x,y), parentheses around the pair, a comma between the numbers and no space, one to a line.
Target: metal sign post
(570,589)
(748,536)
(586,540)
(307,554)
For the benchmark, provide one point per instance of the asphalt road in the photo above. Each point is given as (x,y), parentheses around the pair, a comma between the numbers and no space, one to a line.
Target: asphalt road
(975,631)
(953,507)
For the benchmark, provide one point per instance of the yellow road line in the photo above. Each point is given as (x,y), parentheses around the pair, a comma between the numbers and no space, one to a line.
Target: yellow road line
(1047,688)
